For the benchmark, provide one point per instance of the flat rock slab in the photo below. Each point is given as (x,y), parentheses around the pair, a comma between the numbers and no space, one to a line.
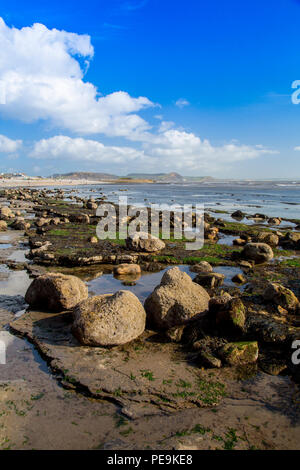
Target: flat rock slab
(145,372)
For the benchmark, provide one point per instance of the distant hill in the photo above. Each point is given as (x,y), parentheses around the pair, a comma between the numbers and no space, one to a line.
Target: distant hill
(172,177)
(81,175)
(161,177)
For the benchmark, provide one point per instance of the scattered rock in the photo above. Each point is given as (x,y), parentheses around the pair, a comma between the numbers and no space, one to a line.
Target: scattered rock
(239,242)
(240,353)
(207,359)
(109,320)
(269,238)
(228,313)
(41,222)
(129,269)
(210,280)
(143,241)
(258,252)
(175,301)
(175,334)
(202,267)
(6,213)
(239,279)
(238,215)
(55,292)
(80,218)
(274,221)
(20,224)
(3,226)
(93,240)
(281,296)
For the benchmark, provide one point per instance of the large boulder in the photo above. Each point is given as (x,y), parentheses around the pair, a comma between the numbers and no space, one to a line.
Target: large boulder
(175,301)
(109,320)
(143,241)
(281,296)
(55,292)
(258,252)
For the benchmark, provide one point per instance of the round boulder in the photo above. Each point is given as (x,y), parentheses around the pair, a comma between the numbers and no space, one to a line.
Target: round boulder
(175,301)
(55,292)
(109,320)
(258,252)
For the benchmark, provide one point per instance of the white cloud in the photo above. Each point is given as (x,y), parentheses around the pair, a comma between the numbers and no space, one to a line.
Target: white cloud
(186,152)
(8,145)
(182,102)
(168,151)
(41,77)
(83,150)
(297,149)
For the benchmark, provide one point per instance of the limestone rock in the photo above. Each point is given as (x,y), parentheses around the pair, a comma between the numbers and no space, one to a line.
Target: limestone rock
(202,267)
(176,300)
(143,241)
(109,320)
(129,269)
(258,252)
(55,292)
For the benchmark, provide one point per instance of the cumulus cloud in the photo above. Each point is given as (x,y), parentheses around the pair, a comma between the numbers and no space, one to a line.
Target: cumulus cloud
(177,149)
(83,150)
(182,102)
(41,78)
(170,150)
(8,145)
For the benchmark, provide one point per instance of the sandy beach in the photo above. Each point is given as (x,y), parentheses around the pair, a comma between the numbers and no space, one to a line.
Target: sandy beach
(31,183)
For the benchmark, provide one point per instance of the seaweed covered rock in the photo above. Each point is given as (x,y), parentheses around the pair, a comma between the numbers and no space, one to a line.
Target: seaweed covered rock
(143,241)
(281,296)
(109,320)
(228,313)
(55,292)
(258,252)
(176,300)
(240,353)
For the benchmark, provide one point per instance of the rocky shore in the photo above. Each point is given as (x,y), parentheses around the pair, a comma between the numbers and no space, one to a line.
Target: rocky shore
(198,341)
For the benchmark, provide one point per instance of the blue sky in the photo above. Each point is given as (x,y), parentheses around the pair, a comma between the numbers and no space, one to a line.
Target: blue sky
(198,87)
